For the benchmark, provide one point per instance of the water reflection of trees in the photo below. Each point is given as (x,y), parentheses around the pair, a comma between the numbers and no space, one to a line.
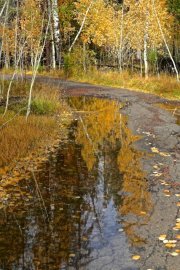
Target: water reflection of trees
(136,204)
(108,127)
(95,168)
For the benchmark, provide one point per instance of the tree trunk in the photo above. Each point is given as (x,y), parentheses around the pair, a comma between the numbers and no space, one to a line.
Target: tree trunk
(165,42)
(82,25)
(121,39)
(53,60)
(146,68)
(56,31)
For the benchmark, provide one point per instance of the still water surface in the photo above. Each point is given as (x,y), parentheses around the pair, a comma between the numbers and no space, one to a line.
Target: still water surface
(84,206)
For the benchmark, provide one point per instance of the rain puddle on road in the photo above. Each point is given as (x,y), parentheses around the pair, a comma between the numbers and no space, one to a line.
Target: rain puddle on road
(84,207)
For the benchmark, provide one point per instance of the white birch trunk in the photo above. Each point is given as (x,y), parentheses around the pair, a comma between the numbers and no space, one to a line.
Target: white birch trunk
(53,49)
(165,42)
(12,78)
(3,8)
(121,38)
(36,64)
(82,25)
(146,68)
(56,28)
(4,25)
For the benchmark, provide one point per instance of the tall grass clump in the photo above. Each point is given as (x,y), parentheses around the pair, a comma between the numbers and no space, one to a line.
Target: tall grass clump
(45,101)
(18,137)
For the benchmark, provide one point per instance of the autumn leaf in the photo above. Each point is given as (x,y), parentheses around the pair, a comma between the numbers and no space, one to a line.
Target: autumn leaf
(169,245)
(162,237)
(154,150)
(136,257)
(174,254)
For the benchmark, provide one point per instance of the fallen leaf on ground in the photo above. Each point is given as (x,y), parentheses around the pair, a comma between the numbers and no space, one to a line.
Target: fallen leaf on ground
(175,228)
(166,191)
(174,254)
(172,241)
(164,154)
(166,241)
(157,174)
(162,237)
(143,213)
(72,255)
(169,245)
(136,257)
(154,150)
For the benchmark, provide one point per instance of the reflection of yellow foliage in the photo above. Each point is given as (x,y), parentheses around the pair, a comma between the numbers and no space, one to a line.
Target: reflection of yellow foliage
(100,122)
(138,201)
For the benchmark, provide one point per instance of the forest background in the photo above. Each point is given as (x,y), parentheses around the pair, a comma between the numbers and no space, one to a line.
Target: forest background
(103,41)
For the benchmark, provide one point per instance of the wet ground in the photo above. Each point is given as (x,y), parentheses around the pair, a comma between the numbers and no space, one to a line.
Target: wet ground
(108,197)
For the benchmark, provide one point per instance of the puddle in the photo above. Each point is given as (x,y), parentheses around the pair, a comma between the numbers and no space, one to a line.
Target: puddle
(85,206)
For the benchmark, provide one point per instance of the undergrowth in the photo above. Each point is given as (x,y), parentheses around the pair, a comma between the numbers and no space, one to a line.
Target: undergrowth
(19,137)
(45,100)
(163,85)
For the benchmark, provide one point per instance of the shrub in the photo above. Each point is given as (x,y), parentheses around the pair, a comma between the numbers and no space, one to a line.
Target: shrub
(78,61)
(43,106)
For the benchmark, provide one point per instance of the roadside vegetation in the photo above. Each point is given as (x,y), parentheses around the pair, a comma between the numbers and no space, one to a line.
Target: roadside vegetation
(19,136)
(164,85)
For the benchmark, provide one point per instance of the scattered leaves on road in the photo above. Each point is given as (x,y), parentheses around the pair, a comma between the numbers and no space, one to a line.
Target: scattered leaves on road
(136,257)
(162,237)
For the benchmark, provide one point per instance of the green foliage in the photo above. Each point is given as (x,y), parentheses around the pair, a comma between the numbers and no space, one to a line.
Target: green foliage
(78,61)
(68,64)
(42,106)
(44,101)
(174,8)
(152,57)
(66,12)
(41,68)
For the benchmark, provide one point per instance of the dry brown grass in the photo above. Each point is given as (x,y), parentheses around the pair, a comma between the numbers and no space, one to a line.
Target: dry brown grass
(19,137)
(165,85)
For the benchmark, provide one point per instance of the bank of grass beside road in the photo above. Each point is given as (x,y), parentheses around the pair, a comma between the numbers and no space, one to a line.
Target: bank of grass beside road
(48,118)
(164,85)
